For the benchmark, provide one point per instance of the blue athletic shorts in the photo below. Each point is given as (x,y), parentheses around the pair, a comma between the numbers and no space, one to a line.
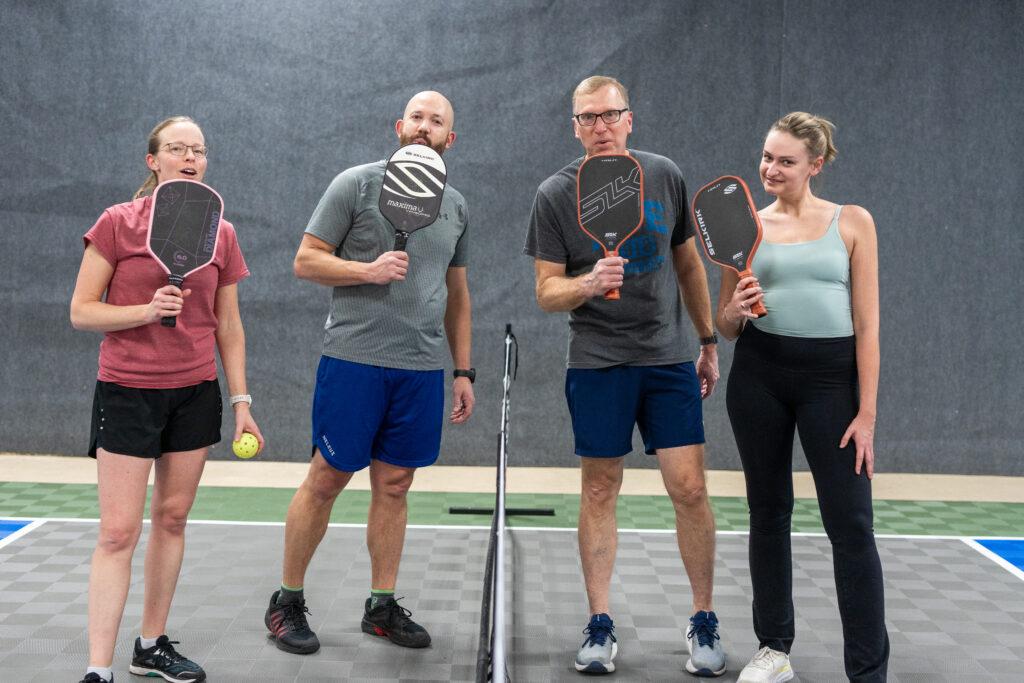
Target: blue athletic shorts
(662,400)
(362,412)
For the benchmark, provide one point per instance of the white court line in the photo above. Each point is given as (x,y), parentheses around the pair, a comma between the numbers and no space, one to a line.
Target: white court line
(35,524)
(969,541)
(797,534)
(232,522)
(994,557)
(720,532)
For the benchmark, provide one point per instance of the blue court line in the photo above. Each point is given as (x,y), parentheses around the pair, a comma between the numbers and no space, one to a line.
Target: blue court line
(1010,550)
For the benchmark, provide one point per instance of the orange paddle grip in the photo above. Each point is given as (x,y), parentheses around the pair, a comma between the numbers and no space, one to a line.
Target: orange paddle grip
(757,308)
(612,294)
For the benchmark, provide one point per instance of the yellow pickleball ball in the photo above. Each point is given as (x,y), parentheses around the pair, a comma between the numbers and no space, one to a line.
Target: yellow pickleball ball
(246,447)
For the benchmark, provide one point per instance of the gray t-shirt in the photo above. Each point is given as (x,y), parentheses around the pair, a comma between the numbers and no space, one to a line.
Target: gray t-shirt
(646,326)
(400,324)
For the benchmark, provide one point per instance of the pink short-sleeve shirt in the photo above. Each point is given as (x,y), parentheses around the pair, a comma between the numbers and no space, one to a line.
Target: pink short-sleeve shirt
(153,356)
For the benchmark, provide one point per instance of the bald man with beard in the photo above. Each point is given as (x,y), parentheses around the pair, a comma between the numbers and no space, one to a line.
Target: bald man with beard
(379,397)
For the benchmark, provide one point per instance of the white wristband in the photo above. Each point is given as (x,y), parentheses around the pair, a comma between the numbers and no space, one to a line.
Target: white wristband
(240,398)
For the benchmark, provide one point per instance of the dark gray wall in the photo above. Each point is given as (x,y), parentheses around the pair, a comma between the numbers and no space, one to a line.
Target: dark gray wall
(927,97)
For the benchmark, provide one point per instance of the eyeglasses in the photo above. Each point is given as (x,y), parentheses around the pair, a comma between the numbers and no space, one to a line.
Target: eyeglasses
(178,149)
(589,119)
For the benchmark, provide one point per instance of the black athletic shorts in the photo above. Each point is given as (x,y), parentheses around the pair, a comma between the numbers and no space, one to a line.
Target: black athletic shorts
(149,422)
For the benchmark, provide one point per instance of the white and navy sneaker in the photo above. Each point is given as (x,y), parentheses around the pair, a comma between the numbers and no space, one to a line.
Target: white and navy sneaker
(597,654)
(707,658)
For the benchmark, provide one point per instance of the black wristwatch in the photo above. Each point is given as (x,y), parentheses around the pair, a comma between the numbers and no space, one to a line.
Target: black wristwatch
(713,339)
(471,374)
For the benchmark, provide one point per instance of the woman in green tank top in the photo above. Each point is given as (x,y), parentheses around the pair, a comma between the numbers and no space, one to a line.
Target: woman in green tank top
(810,365)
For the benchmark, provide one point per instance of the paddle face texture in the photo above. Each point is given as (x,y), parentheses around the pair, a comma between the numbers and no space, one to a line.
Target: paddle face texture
(729,227)
(184,226)
(610,198)
(414,181)
(727,221)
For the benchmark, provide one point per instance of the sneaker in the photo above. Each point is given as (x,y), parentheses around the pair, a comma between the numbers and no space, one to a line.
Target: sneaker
(288,627)
(390,620)
(164,661)
(597,654)
(767,666)
(94,677)
(707,658)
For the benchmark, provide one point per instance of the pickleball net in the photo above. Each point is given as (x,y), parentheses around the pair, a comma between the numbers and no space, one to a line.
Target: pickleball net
(492,647)
(491,662)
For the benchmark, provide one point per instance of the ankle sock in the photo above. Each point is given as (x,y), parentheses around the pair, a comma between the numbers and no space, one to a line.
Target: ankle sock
(146,643)
(289,595)
(106,673)
(379,596)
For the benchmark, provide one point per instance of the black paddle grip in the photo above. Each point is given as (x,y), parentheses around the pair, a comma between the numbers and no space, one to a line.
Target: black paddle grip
(401,237)
(171,321)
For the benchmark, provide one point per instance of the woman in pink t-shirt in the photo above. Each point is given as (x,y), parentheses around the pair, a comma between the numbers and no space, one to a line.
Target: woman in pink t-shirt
(157,399)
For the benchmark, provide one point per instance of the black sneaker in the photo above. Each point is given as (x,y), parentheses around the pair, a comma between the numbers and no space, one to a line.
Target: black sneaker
(391,620)
(164,661)
(94,677)
(288,627)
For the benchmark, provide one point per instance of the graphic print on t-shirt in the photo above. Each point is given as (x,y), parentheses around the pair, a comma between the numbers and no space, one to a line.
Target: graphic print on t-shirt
(641,250)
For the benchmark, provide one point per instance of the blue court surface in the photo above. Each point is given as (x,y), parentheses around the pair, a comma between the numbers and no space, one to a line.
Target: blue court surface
(9,526)
(1011,550)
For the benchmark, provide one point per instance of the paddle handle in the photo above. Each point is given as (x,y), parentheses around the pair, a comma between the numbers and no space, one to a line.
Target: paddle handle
(401,237)
(171,321)
(757,308)
(612,294)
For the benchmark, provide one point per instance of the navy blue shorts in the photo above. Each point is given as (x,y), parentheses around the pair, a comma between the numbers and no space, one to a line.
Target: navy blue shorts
(662,400)
(363,412)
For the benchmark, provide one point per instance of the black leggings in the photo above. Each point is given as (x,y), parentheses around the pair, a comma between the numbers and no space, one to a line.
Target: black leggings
(778,383)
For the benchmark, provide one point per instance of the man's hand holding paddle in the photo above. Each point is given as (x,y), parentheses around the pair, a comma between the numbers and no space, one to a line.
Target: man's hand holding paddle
(607,275)
(388,267)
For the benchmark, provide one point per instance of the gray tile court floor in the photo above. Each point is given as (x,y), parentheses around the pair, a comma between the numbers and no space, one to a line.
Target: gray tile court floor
(954,615)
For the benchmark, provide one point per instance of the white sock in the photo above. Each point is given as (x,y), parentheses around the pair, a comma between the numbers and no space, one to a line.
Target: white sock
(106,673)
(146,643)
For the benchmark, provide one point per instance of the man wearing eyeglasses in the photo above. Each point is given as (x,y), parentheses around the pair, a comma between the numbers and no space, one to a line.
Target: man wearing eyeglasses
(631,362)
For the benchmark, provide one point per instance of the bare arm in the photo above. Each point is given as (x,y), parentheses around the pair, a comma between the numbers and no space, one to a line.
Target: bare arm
(858,223)
(458,317)
(556,291)
(90,312)
(231,343)
(315,261)
(458,325)
(693,285)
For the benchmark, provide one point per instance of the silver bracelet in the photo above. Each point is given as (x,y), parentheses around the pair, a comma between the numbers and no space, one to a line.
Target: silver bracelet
(240,398)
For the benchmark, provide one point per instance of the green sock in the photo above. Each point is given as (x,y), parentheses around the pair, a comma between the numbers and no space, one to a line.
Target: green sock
(289,595)
(378,596)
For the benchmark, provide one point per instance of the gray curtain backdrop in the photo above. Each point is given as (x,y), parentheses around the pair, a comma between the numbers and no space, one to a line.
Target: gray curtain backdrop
(927,97)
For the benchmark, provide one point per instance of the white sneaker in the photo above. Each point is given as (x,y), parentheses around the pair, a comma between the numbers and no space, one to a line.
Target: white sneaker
(767,666)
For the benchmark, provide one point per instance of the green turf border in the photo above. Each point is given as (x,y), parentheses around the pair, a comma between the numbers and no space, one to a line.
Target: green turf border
(933,518)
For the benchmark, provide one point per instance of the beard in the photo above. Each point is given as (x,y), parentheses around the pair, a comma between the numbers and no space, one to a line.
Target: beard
(404,140)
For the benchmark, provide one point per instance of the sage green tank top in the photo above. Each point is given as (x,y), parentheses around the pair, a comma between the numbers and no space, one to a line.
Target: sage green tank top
(806,286)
